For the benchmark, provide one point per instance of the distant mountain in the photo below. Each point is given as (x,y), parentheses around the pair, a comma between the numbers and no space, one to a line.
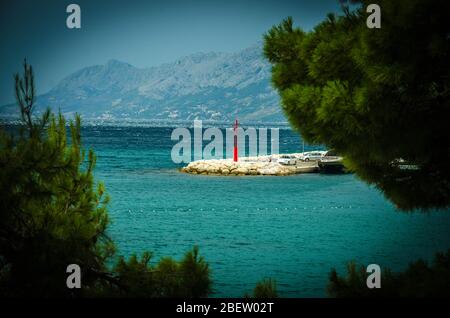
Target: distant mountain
(207,86)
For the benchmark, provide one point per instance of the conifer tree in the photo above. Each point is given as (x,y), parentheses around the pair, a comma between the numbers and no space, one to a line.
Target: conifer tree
(53,214)
(420,279)
(379,97)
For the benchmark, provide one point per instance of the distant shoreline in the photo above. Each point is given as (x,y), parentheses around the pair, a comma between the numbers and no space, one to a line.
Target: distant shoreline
(155,123)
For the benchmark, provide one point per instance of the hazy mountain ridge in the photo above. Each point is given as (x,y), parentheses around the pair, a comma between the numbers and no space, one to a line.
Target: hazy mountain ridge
(208,86)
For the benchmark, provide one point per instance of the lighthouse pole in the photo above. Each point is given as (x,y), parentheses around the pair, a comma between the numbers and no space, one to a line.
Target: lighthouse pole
(235,149)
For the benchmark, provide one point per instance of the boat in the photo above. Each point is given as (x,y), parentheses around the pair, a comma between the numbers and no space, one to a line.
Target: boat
(331,163)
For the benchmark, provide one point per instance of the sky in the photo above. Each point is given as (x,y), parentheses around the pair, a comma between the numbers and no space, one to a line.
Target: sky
(143,33)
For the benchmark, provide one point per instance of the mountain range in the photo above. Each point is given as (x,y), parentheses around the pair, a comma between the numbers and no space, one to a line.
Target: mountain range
(207,86)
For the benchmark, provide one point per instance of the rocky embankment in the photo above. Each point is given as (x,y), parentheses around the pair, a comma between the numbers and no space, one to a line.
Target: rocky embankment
(248,166)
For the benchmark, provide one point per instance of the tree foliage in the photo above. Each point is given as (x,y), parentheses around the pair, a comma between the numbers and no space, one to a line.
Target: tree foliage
(53,214)
(380,97)
(266,288)
(169,278)
(418,280)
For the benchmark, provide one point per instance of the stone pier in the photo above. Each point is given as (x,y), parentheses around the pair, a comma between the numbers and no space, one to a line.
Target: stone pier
(262,165)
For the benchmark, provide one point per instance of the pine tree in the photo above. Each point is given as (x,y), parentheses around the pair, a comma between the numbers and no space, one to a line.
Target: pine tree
(53,214)
(379,97)
(420,279)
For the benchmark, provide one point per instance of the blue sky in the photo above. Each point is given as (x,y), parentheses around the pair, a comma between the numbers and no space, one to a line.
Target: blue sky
(142,33)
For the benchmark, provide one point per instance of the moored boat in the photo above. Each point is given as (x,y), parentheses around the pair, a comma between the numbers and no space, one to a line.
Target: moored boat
(331,163)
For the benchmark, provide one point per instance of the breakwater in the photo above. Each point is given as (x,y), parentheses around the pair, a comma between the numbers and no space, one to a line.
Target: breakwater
(261,165)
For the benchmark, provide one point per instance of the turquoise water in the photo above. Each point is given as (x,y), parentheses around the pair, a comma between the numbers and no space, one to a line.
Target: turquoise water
(293,229)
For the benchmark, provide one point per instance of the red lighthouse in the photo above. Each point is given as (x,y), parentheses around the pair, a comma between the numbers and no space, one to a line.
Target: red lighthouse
(235,149)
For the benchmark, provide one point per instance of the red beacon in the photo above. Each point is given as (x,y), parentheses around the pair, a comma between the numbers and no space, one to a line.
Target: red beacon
(235,149)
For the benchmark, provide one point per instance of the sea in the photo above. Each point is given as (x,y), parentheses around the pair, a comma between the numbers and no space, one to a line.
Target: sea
(293,229)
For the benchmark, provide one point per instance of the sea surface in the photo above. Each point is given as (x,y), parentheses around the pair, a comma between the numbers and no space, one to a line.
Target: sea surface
(293,229)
